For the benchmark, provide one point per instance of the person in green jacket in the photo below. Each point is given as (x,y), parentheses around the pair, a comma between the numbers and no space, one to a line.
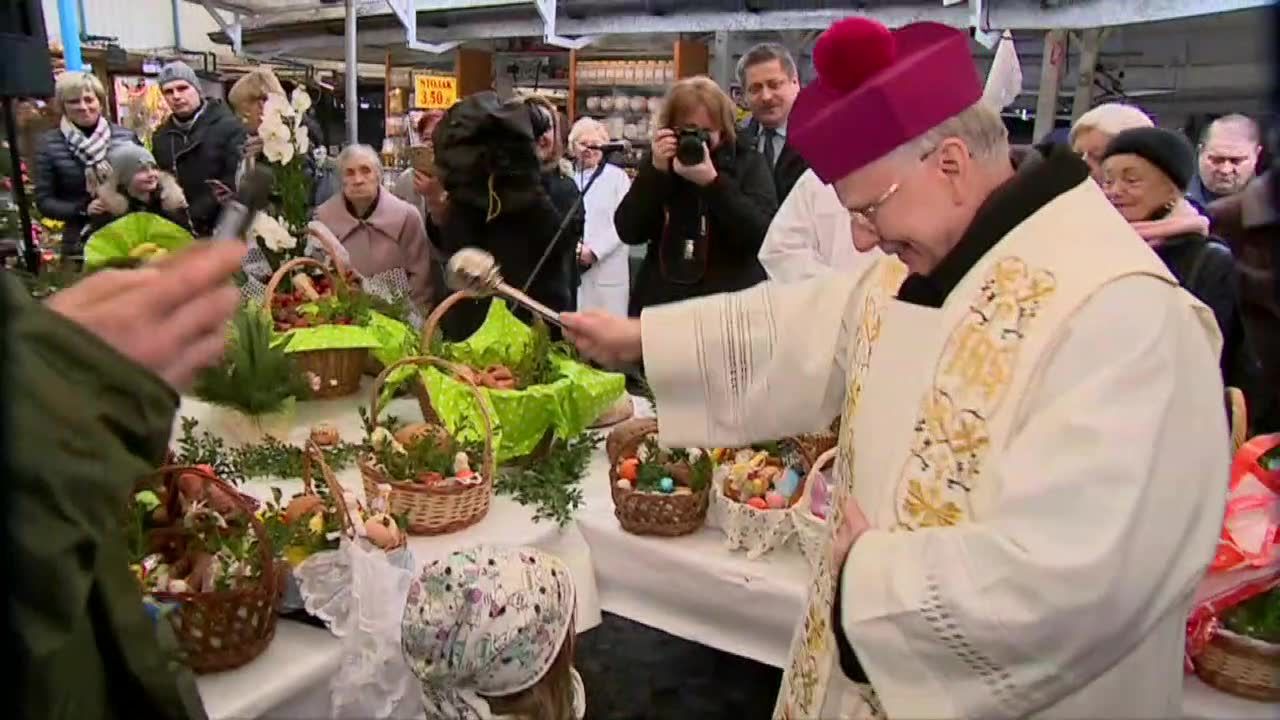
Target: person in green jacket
(90,382)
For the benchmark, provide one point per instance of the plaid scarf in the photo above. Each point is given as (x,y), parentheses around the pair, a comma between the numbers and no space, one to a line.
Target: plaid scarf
(91,150)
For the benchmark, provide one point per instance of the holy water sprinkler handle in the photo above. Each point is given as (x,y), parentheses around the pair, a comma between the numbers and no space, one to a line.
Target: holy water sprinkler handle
(475,271)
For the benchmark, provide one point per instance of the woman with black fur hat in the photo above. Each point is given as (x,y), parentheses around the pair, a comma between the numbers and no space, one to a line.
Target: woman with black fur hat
(1145,172)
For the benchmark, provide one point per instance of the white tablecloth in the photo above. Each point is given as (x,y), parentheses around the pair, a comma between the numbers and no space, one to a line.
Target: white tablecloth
(691,587)
(297,665)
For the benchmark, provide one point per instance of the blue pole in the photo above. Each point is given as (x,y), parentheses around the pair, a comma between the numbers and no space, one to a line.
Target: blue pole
(69,27)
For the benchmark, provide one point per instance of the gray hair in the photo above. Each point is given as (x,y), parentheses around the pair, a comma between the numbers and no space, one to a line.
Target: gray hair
(763,53)
(586,126)
(1243,123)
(1110,119)
(979,126)
(353,153)
(71,85)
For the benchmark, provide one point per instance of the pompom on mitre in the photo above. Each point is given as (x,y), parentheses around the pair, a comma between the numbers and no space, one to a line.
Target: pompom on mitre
(853,50)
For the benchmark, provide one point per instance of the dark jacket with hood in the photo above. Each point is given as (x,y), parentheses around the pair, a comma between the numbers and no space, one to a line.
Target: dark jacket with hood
(209,150)
(62,192)
(688,257)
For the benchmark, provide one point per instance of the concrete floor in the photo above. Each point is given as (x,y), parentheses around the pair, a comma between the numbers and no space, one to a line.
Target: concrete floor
(634,672)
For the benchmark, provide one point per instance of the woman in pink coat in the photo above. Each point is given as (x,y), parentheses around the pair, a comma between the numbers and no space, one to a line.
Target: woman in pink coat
(379,231)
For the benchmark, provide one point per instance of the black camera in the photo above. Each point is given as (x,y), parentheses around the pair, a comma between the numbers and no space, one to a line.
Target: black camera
(691,144)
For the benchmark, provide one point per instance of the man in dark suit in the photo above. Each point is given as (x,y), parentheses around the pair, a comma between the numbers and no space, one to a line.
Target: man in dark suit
(770,82)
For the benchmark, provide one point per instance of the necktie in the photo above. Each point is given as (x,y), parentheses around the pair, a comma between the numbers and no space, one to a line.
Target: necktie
(769,155)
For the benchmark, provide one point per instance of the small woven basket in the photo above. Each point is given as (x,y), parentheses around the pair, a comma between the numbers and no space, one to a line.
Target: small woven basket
(313,457)
(429,329)
(222,630)
(1241,666)
(433,511)
(643,513)
(339,370)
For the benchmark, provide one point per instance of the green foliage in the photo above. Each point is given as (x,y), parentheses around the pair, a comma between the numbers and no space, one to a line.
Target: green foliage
(551,485)
(345,305)
(650,473)
(426,456)
(298,538)
(207,449)
(253,377)
(271,458)
(1258,617)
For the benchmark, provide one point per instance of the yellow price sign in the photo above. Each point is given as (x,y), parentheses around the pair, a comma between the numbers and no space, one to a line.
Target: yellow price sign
(434,92)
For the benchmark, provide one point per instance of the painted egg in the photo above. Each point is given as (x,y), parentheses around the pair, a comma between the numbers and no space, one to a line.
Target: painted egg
(623,484)
(758,503)
(667,485)
(789,483)
(629,469)
(775,500)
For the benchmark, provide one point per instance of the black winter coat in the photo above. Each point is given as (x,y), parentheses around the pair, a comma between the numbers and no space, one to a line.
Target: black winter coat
(61,191)
(665,211)
(564,196)
(210,150)
(516,239)
(1206,268)
(788,167)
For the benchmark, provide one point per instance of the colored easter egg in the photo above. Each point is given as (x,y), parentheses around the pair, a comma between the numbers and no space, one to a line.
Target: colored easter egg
(667,485)
(758,503)
(629,469)
(789,483)
(775,500)
(624,484)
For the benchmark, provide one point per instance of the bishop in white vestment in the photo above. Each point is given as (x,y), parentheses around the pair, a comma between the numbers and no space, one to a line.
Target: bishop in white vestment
(1033,451)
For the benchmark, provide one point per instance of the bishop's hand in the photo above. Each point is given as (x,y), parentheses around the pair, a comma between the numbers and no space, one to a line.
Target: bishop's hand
(607,339)
(852,524)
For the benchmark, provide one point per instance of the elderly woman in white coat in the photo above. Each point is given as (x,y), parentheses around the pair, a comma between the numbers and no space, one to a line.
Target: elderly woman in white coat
(606,276)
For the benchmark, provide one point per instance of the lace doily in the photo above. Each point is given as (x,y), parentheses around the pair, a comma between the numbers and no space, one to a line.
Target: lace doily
(374,680)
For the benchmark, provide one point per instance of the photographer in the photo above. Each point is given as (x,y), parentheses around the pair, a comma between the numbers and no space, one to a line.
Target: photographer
(702,201)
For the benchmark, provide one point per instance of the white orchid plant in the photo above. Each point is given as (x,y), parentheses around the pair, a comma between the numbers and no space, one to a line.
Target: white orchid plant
(285,146)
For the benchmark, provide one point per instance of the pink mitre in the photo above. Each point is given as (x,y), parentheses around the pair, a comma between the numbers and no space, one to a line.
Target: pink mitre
(878,89)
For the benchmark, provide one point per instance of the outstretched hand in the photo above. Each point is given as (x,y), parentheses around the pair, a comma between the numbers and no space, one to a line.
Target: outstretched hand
(169,317)
(607,339)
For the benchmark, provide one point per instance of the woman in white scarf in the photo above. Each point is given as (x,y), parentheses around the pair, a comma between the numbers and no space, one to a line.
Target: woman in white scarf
(71,160)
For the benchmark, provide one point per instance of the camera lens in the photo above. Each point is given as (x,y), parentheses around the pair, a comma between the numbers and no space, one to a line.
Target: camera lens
(690,150)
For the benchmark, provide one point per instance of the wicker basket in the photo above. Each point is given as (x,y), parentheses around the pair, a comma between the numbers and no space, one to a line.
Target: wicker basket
(313,457)
(429,329)
(811,529)
(642,513)
(433,511)
(339,370)
(1241,666)
(222,630)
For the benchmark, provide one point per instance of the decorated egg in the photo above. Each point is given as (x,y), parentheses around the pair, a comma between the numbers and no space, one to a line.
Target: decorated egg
(774,500)
(629,469)
(758,503)
(667,485)
(788,483)
(623,484)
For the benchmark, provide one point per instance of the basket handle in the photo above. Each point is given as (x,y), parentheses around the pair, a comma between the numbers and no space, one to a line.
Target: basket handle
(453,369)
(626,438)
(313,454)
(432,324)
(823,460)
(330,243)
(272,285)
(169,475)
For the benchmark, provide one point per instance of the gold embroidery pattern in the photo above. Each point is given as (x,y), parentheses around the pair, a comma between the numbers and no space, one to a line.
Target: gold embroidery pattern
(951,438)
(805,680)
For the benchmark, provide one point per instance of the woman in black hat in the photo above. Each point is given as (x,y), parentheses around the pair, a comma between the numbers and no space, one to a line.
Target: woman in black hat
(1145,172)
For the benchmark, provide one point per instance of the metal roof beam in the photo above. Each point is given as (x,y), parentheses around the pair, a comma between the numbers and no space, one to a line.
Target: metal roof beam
(407,14)
(1080,14)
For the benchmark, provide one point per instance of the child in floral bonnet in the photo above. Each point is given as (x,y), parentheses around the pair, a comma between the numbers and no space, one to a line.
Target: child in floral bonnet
(489,633)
